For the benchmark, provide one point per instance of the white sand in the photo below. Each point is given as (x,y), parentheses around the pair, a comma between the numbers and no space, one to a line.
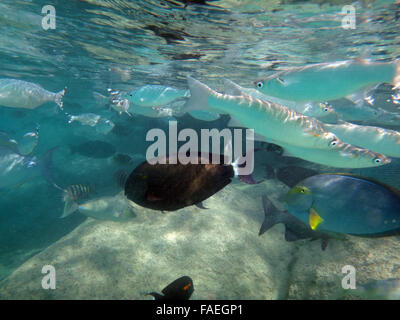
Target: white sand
(219,248)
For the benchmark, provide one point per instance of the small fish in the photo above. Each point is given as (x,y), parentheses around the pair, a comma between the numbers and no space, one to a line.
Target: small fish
(388,289)
(77,192)
(346,204)
(111,208)
(180,289)
(121,105)
(87,119)
(343,155)
(94,149)
(295,229)
(17,168)
(169,187)
(155,95)
(346,110)
(72,195)
(377,139)
(328,81)
(27,95)
(104,126)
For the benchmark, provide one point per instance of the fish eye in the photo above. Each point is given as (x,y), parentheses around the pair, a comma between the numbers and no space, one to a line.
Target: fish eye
(260,84)
(333,143)
(324,105)
(377,160)
(302,190)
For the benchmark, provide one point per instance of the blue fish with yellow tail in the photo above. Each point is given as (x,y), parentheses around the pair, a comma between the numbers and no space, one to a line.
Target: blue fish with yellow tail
(347,204)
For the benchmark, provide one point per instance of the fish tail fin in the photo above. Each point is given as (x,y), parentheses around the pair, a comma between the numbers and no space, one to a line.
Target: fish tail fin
(272,215)
(199,94)
(243,167)
(396,80)
(270,172)
(70,207)
(99,99)
(70,118)
(46,167)
(58,98)
(35,135)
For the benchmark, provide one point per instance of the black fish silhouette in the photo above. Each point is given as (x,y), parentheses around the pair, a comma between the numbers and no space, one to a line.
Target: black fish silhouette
(169,187)
(180,289)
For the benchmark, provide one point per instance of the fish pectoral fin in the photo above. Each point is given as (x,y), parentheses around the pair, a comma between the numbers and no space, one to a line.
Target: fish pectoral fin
(200,205)
(314,219)
(324,243)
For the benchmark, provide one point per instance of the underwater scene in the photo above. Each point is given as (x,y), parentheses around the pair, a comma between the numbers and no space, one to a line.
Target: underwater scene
(203,150)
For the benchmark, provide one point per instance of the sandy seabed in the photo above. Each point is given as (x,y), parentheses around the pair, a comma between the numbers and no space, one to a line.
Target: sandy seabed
(219,248)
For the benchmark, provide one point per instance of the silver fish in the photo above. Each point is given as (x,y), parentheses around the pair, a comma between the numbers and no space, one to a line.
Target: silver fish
(21,94)
(17,168)
(87,119)
(121,105)
(374,138)
(113,208)
(342,156)
(328,81)
(301,136)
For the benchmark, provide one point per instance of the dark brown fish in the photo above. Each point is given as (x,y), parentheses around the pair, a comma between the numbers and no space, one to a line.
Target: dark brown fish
(170,187)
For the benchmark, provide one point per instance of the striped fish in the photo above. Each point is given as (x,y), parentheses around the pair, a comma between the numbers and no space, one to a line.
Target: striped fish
(72,195)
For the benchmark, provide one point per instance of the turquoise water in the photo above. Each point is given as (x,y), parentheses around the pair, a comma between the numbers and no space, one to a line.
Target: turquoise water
(122,45)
